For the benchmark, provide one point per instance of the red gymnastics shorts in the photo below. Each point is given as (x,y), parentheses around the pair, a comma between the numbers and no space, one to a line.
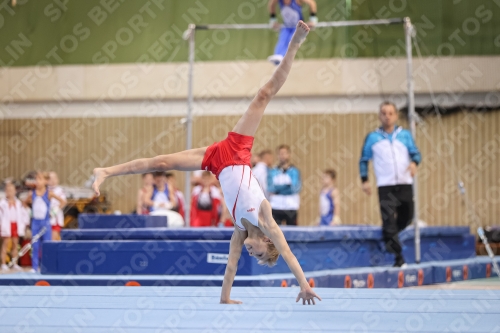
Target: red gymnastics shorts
(233,150)
(13,230)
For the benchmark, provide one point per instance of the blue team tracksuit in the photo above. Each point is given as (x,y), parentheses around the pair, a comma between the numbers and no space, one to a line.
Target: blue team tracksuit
(392,154)
(41,218)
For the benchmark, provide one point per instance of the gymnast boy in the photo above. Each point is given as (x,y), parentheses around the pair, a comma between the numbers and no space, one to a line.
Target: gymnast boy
(229,160)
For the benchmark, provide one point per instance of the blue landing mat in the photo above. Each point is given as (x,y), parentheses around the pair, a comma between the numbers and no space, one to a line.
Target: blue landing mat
(195,309)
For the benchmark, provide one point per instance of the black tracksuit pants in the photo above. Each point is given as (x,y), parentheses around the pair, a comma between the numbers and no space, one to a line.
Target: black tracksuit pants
(396,207)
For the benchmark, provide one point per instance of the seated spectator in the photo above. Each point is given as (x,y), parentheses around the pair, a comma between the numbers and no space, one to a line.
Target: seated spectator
(14,220)
(144,201)
(205,202)
(329,200)
(196,178)
(56,210)
(162,196)
(179,196)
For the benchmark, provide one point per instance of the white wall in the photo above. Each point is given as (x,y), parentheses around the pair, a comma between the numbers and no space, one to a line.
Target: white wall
(332,77)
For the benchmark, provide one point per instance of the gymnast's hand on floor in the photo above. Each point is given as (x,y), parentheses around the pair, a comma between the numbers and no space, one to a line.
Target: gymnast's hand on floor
(307,294)
(231,302)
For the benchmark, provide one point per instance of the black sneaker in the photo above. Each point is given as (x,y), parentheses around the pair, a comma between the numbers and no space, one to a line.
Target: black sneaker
(400,262)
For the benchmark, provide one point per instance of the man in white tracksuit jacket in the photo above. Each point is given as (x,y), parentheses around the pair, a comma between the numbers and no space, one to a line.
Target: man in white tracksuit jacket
(395,159)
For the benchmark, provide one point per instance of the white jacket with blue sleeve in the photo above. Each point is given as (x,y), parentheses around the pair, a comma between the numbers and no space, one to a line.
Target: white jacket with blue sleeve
(391,154)
(284,186)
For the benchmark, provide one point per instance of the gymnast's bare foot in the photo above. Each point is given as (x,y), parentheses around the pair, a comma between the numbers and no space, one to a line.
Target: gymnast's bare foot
(99,177)
(300,33)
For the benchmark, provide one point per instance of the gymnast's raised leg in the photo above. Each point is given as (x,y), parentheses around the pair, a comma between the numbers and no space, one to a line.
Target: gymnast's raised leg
(190,160)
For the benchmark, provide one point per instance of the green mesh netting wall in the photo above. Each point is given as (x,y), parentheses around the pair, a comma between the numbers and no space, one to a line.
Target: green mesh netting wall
(86,32)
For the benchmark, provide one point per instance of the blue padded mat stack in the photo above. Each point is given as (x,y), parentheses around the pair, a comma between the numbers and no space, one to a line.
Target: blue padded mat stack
(203,251)
(130,244)
(439,243)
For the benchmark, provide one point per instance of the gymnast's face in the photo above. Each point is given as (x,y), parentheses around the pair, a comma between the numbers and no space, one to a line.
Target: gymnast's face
(326,180)
(10,191)
(388,115)
(257,247)
(206,180)
(284,156)
(160,181)
(40,180)
(268,159)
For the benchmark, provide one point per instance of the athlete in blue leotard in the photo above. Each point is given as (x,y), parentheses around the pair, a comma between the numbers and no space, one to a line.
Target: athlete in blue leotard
(39,199)
(162,195)
(291,13)
(329,200)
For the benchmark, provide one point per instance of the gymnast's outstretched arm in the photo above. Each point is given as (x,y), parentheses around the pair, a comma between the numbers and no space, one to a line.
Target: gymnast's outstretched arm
(235,247)
(271,229)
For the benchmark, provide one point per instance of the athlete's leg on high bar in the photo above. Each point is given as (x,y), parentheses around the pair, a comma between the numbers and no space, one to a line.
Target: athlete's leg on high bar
(249,122)
(188,160)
